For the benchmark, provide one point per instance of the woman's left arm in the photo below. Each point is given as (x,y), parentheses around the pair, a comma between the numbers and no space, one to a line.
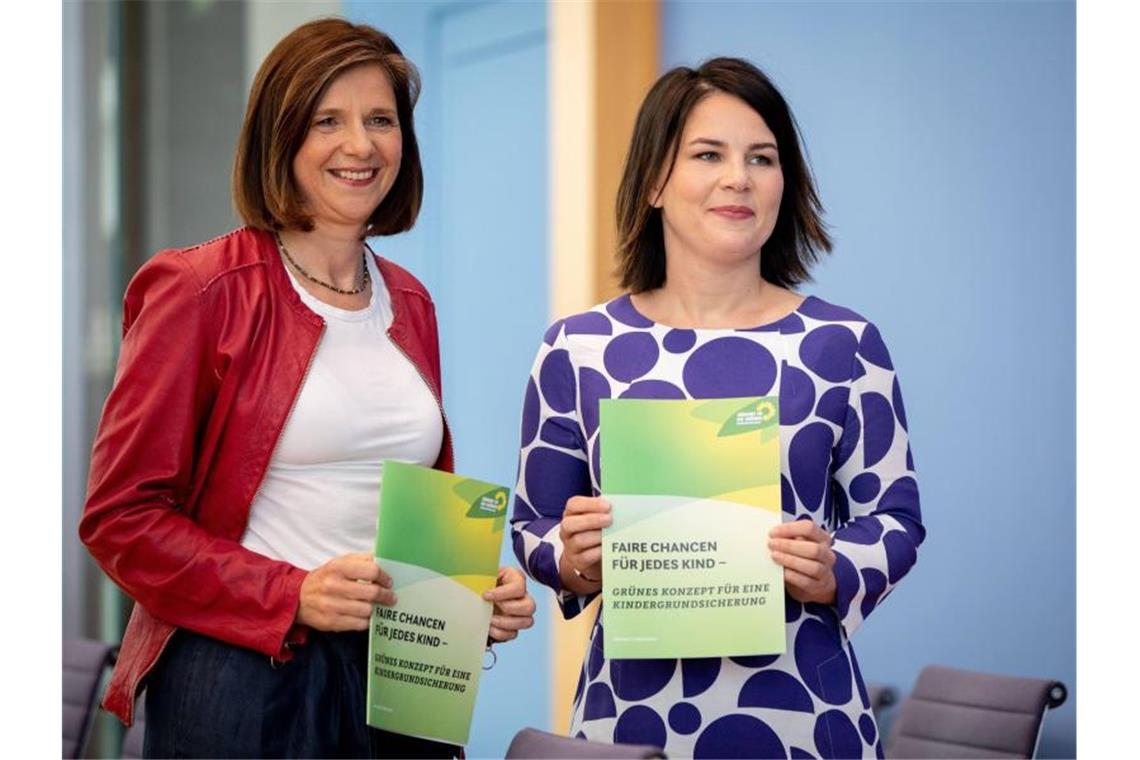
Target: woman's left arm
(874,492)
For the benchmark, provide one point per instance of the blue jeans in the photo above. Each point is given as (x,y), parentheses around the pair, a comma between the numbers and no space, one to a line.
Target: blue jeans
(207,698)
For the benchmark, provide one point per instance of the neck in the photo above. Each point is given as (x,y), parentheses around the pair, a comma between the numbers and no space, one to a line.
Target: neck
(714,292)
(329,254)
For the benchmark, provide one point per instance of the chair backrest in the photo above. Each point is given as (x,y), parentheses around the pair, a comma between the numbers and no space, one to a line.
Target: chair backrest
(541,745)
(962,714)
(881,696)
(84,662)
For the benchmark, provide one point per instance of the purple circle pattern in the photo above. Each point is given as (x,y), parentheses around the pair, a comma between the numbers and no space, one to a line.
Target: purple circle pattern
(556,381)
(822,433)
(640,725)
(808,457)
(787,496)
(822,663)
(698,674)
(832,405)
(599,702)
(878,427)
(874,583)
(551,478)
(836,737)
(777,690)
(864,487)
(727,367)
(896,397)
(622,310)
(530,413)
(589,323)
(635,680)
(867,728)
(594,387)
(631,355)
(797,396)
(738,736)
(684,718)
(678,341)
(825,312)
(560,432)
(872,349)
(828,351)
(652,389)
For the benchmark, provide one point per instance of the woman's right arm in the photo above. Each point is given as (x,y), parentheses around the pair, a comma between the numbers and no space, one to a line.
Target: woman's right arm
(142,467)
(554,482)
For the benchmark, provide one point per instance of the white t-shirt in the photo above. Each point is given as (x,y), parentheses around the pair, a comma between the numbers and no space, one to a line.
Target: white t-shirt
(362,402)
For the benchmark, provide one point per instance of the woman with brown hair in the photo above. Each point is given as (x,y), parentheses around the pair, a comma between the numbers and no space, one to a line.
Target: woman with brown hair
(719,220)
(264,376)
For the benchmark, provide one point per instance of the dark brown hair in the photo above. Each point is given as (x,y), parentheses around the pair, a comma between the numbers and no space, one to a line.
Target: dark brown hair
(284,96)
(799,238)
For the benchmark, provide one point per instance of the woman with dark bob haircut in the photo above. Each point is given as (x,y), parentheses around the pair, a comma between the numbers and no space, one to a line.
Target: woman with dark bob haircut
(718,221)
(263,378)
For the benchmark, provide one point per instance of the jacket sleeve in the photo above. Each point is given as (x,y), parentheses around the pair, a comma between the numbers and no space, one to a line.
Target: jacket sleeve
(553,466)
(874,490)
(143,467)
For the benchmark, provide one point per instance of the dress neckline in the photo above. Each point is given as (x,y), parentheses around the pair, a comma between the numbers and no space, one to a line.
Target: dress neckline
(624,303)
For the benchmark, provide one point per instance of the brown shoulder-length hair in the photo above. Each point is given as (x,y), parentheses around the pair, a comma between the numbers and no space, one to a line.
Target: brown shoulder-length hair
(284,96)
(799,238)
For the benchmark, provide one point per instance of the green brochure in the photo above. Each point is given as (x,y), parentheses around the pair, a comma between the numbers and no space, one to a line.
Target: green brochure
(438,535)
(695,488)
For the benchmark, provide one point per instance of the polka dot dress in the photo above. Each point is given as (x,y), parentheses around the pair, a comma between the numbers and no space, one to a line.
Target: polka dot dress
(846,464)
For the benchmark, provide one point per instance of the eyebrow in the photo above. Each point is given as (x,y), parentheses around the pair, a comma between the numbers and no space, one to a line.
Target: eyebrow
(338,111)
(722,143)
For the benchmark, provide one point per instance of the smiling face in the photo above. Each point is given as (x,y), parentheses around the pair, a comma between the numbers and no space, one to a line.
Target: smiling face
(351,154)
(721,201)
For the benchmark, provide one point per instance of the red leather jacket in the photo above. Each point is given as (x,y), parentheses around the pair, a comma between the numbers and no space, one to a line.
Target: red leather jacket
(216,345)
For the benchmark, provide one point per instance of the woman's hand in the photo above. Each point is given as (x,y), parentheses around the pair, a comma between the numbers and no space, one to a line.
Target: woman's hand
(581,534)
(804,550)
(338,595)
(514,607)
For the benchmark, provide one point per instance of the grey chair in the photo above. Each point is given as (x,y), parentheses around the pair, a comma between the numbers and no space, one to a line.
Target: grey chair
(532,743)
(881,696)
(962,714)
(84,663)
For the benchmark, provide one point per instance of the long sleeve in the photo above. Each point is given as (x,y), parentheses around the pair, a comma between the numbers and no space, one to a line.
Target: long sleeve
(553,466)
(143,466)
(874,491)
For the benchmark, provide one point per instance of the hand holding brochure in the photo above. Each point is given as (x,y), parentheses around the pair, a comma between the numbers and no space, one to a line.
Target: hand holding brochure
(439,536)
(695,488)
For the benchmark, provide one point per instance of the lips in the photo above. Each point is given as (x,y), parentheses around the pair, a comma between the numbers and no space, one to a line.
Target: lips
(355,176)
(734,212)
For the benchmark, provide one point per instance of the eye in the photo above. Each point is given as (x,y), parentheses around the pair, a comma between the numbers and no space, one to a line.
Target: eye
(708,155)
(761,159)
(325,122)
(381,121)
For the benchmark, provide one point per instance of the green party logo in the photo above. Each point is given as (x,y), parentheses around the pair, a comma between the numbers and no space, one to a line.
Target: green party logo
(759,415)
(491,504)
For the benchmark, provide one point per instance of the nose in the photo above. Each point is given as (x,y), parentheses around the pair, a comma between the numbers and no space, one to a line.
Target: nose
(736,176)
(356,141)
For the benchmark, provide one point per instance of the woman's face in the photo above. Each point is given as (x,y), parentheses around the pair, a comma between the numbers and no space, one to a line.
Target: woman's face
(721,201)
(351,155)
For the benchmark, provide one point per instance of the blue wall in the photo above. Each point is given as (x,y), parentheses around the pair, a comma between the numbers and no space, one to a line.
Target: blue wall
(942,136)
(480,246)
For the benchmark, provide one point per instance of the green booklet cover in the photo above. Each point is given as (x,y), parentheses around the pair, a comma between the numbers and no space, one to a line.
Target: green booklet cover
(695,488)
(439,536)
